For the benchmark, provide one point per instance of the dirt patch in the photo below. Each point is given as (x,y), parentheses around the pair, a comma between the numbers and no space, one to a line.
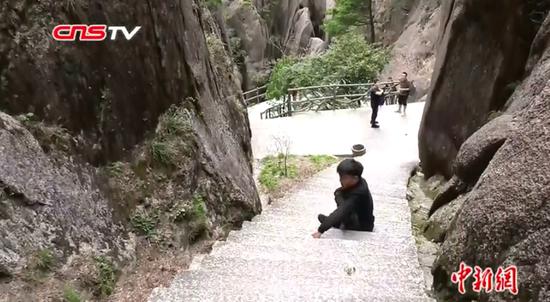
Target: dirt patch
(155,268)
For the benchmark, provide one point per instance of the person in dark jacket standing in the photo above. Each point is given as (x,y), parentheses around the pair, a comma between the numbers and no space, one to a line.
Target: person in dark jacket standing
(376,100)
(354,202)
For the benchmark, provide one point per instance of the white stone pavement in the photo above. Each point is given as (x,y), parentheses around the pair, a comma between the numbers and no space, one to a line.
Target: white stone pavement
(334,132)
(274,258)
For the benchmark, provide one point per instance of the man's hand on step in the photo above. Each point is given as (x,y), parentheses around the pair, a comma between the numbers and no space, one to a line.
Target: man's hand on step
(316,235)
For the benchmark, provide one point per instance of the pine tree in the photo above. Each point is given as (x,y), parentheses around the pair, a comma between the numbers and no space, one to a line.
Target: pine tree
(350,14)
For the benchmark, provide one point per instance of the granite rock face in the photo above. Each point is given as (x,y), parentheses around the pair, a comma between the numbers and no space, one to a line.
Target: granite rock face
(505,217)
(474,50)
(250,30)
(411,28)
(112,95)
(109,98)
(47,202)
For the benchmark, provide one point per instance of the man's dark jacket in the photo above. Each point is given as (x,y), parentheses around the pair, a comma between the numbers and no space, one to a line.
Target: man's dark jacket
(375,99)
(354,209)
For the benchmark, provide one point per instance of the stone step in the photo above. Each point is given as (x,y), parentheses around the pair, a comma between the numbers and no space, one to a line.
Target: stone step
(291,235)
(395,269)
(210,286)
(377,188)
(310,221)
(380,203)
(266,227)
(393,213)
(347,250)
(253,236)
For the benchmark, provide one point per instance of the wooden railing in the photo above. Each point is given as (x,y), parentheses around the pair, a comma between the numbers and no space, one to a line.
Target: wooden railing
(255,96)
(327,97)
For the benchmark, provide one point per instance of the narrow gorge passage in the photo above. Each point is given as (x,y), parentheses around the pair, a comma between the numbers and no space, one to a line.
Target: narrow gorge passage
(273,258)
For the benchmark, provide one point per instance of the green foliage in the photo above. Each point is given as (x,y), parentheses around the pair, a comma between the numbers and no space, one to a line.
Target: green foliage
(161,153)
(45,260)
(281,77)
(219,56)
(199,207)
(106,276)
(347,15)
(144,224)
(175,122)
(199,220)
(213,4)
(322,161)
(71,295)
(349,60)
(273,171)
(115,169)
(173,137)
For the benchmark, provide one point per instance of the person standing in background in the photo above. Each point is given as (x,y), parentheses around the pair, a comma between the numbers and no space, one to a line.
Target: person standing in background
(389,89)
(376,100)
(403,92)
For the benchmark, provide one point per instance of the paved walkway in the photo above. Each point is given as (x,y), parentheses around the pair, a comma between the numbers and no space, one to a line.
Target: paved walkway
(334,132)
(273,258)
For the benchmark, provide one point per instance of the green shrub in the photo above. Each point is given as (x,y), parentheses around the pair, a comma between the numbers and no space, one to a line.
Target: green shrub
(144,224)
(199,220)
(45,260)
(106,276)
(273,170)
(175,122)
(346,16)
(350,59)
(212,4)
(322,161)
(71,295)
(161,153)
(174,136)
(115,169)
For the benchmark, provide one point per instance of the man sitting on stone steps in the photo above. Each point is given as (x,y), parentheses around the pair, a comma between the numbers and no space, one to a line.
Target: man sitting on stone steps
(353,200)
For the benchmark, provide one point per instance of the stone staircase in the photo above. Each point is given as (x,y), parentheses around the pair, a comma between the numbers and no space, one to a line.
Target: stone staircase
(274,258)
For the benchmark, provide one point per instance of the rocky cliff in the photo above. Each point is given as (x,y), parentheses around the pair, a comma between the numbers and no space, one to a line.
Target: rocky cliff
(411,29)
(486,127)
(263,31)
(147,135)
(486,59)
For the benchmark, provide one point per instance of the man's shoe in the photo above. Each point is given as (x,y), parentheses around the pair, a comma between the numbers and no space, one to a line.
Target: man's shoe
(375,126)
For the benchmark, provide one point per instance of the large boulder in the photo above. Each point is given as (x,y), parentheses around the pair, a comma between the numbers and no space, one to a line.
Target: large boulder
(316,46)
(478,61)
(505,218)
(251,30)
(300,33)
(293,23)
(478,150)
(440,222)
